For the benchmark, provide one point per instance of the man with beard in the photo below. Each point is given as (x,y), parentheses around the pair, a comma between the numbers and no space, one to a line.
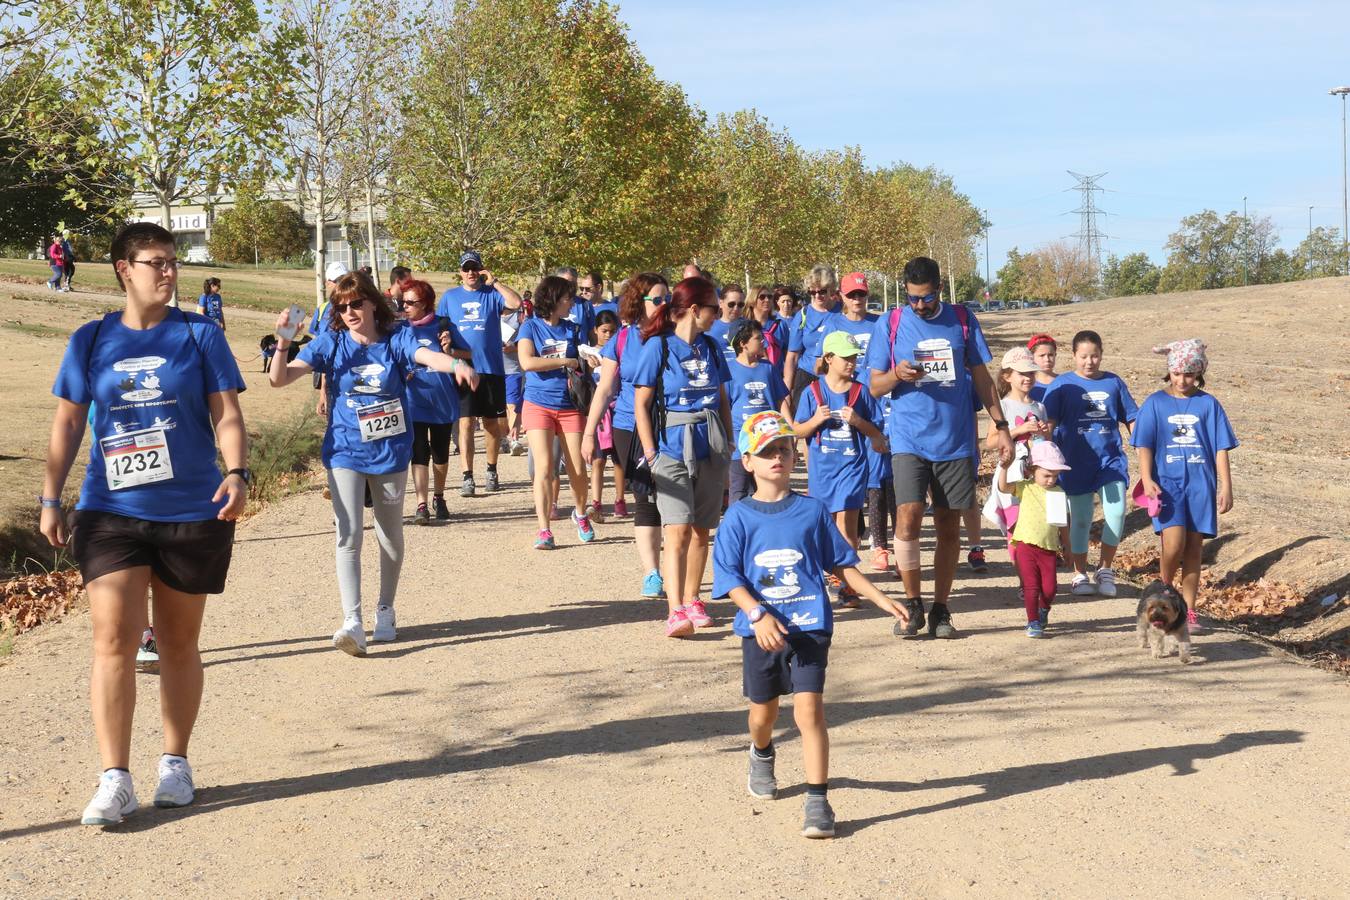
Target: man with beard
(930,358)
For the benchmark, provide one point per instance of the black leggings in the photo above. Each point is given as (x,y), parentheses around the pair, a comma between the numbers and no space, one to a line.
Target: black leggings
(645,514)
(431,441)
(880,504)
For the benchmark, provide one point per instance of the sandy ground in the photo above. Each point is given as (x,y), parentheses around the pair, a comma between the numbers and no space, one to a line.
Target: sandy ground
(532,734)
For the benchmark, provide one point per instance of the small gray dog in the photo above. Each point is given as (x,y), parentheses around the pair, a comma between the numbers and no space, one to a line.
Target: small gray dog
(1162,615)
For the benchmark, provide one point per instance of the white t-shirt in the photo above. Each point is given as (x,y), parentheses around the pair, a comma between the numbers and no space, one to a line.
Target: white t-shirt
(511,320)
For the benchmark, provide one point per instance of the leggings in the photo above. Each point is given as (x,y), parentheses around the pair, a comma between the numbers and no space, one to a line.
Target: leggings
(58,272)
(1113,512)
(1036,572)
(645,513)
(348,488)
(880,505)
(431,441)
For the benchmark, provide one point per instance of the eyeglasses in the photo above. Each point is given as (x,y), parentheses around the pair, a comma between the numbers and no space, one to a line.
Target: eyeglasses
(164,265)
(355,306)
(926,298)
(819,293)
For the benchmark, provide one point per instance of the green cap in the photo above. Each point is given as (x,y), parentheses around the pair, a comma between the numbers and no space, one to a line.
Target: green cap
(841,343)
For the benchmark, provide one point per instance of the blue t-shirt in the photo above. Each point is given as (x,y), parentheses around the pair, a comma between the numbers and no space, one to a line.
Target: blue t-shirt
(214,306)
(148,392)
(693,381)
(477,315)
(808,332)
(931,418)
(582,313)
(777,331)
(628,364)
(1088,413)
(721,332)
(780,552)
(316,321)
(549,389)
(598,308)
(1185,435)
(432,395)
(838,462)
(369,414)
(752,389)
(862,332)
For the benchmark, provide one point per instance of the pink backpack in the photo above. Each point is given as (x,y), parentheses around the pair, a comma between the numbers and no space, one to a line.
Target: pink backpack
(962,316)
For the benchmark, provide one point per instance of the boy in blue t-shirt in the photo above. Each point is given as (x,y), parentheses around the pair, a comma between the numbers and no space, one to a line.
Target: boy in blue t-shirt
(772,552)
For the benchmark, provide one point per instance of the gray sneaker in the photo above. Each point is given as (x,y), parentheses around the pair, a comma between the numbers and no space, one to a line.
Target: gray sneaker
(818,817)
(491,483)
(467,489)
(760,782)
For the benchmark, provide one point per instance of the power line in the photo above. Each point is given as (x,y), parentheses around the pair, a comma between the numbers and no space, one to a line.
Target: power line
(1089,235)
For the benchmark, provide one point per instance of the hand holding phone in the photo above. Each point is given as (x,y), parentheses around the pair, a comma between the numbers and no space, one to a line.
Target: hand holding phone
(290,324)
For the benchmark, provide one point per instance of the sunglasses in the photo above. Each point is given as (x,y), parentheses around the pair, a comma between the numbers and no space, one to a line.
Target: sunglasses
(471,270)
(820,293)
(585,290)
(926,298)
(763,297)
(657,300)
(734,304)
(354,306)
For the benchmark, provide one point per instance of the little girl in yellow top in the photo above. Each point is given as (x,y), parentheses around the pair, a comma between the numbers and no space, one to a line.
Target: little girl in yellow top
(1043,510)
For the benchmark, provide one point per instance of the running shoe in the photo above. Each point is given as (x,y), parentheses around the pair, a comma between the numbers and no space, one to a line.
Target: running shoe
(1192,623)
(817,817)
(423,515)
(147,654)
(914,625)
(760,780)
(881,560)
(442,511)
(518,448)
(544,541)
(491,483)
(598,511)
(976,559)
(1043,616)
(653,587)
(114,800)
(351,637)
(1106,582)
(384,624)
(1081,586)
(678,624)
(175,783)
(467,488)
(585,531)
(698,614)
(940,622)
(620,509)
(848,599)
(1035,629)
(554,513)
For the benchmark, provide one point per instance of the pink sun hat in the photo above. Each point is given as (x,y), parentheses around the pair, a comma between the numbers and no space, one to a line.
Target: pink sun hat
(1151,505)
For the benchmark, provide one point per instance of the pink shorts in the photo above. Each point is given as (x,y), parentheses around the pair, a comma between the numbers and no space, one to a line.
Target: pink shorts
(534,417)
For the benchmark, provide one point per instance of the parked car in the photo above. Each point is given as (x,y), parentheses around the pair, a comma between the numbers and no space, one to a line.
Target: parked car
(1035,304)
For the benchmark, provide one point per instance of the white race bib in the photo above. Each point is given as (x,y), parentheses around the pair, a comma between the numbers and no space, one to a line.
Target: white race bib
(136,458)
(936,364)
(381,420)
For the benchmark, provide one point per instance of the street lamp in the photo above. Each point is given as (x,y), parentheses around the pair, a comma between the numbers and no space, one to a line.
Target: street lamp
(1342,91)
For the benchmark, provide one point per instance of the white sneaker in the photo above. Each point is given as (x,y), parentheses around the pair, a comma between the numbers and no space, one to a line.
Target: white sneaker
(114,800)
(1106,582)
(175,783)
(1082,586)
(351,638)
(384,624)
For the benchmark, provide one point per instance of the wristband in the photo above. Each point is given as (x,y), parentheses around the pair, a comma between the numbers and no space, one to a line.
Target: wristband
(49,502)
(1001,424)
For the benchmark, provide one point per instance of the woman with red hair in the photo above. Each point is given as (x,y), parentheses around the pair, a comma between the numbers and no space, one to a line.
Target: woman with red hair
(684,423)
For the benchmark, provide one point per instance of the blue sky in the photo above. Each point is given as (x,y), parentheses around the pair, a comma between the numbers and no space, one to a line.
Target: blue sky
(1187,105)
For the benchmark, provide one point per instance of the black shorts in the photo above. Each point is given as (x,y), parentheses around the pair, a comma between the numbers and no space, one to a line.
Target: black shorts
(431,442)
(952,481)
(801,380)
(192,557)
(488,401)
(799,668)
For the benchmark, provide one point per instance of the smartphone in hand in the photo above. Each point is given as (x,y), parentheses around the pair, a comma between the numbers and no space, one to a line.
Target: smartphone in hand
(294,316)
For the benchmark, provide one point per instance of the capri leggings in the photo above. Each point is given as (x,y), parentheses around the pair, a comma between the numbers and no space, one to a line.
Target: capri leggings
(1113,511)
(348,488)
(431,441)
(645,514)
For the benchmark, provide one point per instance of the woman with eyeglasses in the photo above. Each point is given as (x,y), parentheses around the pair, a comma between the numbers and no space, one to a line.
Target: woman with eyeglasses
(367,358)
(809,329)
(733,312)
(775,328)
(435,399)
(643,295)
(155,517)
(683,420)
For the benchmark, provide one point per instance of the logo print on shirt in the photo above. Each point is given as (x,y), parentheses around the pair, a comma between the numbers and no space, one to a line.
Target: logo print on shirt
(1096,404)
(367,378)
(473,311)
(1183,428)
(143,367)
(780,580)
(696,371)
(754,391)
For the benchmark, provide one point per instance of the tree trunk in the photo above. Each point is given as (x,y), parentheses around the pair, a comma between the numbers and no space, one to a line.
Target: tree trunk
(166,219)
(320,239)
(370,229)
(747,279)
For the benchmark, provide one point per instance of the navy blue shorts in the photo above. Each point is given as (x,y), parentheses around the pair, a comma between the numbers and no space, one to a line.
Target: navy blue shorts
(515,389)
(799,668)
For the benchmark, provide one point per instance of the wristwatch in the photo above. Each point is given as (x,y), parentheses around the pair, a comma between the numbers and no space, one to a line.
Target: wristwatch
(1001,424)
(754,615)
(246,474)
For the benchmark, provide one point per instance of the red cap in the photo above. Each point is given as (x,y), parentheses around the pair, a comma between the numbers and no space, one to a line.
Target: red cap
(853,281)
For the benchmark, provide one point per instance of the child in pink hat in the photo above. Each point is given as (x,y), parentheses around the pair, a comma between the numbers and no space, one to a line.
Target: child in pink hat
(1043,510)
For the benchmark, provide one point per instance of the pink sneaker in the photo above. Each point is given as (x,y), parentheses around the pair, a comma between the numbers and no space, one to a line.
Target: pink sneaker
(698,614)
(597,511)
(678,624)
(1192,623)
(620,509)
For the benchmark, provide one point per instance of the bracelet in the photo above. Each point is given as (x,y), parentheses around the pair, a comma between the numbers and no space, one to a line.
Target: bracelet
(49,502)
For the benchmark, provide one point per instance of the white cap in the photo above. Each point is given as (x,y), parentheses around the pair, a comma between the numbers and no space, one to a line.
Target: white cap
(335,271)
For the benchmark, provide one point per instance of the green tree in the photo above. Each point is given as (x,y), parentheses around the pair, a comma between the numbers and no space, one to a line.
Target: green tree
(1322,253)
(1012,279)
(969,287)
(258,230)
(1129,276)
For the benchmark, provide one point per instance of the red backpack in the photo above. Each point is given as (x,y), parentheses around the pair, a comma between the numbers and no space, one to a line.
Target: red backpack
(854,392)
(962,316)
(771,351)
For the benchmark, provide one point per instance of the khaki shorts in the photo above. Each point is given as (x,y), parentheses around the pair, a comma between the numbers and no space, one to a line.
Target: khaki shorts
(685,498)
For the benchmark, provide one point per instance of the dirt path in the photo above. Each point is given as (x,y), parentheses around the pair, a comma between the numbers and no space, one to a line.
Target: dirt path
(532,735)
